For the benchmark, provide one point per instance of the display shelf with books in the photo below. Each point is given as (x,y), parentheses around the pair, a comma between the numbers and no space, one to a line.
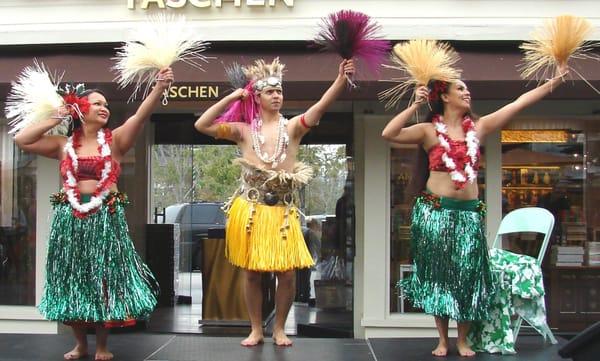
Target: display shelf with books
(592,254)
(567,256)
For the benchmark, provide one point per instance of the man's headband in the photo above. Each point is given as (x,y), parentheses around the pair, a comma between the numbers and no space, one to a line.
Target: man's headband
(270,82)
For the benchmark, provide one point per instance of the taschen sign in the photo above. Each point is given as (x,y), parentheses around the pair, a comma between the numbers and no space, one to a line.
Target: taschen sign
(194,92)
(176,4)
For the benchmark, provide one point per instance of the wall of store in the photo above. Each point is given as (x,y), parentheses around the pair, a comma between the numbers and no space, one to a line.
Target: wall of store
(84,21)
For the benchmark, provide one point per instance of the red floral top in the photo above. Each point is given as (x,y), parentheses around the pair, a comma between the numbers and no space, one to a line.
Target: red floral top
(458,152)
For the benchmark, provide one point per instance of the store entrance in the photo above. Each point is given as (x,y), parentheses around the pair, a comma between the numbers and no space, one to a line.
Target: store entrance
(191,177)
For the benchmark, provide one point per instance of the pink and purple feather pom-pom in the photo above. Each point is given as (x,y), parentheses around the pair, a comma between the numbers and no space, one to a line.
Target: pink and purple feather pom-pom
(242,110)
(353,34)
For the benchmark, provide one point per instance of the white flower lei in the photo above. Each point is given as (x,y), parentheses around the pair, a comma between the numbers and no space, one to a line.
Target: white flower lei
(472,151)
(70,183)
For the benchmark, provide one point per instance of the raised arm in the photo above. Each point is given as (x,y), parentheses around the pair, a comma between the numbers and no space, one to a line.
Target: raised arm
(33,139)
(124,136)
(395,130)
(230,131)
(502,116)
(301,124)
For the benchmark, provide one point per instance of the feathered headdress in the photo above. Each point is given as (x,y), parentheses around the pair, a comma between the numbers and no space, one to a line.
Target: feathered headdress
(33,98)
(159,42)
(423,61)
(353,34)
(264,75)
(254,79)
(558,41)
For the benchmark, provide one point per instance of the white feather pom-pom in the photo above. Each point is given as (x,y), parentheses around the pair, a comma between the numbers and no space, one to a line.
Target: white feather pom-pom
(158,43)
(33,98)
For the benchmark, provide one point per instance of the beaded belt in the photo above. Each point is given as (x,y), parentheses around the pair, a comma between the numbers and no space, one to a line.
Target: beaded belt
(268,197)
(436,201)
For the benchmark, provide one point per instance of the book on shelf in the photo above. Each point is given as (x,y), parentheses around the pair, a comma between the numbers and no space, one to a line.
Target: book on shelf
(569,264)
(568,250)
(575,232)
(592,247)
(567,255)
(559,258)
(592,253)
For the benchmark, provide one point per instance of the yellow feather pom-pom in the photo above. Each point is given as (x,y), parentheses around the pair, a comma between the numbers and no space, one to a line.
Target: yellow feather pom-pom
(559,40)
(423,61)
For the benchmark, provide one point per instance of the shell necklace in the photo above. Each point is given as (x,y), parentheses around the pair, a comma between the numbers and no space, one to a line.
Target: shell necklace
(283,140)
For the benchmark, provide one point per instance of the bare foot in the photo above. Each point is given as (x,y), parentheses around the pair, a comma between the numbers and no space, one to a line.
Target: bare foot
(441,350)
(76,353)
(464,350)
(281,339)
(103,355)
(253,339)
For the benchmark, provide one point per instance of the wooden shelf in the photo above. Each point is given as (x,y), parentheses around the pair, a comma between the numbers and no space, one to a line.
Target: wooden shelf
(527,187)
(572,297)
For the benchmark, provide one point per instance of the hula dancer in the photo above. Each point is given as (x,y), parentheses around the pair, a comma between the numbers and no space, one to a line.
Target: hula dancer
(263,229)
(94,277)
(452,277)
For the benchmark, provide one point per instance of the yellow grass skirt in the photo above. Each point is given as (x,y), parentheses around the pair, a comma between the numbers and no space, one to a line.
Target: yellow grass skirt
(264,246)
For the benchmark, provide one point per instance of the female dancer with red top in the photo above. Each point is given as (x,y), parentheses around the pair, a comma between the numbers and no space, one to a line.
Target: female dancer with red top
(451,278)
(94,277)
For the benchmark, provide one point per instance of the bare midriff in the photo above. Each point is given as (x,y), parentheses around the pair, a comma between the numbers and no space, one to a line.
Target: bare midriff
(89,186)
(441,184)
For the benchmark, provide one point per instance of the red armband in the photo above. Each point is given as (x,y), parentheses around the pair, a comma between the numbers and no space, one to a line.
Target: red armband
(303,122)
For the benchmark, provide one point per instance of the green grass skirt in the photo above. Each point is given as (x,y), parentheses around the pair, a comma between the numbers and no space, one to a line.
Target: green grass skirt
(93,273)
(451,277)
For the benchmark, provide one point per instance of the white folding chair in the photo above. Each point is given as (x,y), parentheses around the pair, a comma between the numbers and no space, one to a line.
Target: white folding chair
(531,219)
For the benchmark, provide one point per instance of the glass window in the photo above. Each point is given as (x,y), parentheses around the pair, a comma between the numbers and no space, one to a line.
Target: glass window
(544,168)
(17,223)
(209,213)
(403,166)
(559,170)
(191,182)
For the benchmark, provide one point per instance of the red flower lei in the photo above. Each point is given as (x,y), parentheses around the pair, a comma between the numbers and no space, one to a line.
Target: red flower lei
(71,179)
(460,171)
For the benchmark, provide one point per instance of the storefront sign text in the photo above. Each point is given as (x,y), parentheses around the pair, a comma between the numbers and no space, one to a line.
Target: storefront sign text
(175,4)
(194,92)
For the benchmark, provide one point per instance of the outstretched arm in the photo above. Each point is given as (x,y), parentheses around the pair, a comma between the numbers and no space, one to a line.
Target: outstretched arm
(502,116)
(395,130)
(124,136)
(33,139)
(301,124)
(231,130)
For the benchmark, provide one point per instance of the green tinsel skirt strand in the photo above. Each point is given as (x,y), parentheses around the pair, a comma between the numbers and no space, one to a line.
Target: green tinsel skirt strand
(451,277)
(93,273)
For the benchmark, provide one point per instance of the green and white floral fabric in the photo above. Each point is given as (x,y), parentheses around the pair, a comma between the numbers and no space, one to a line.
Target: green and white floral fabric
(520,292)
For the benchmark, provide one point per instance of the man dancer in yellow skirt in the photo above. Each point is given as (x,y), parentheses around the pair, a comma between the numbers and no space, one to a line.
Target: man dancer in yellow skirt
(263,230)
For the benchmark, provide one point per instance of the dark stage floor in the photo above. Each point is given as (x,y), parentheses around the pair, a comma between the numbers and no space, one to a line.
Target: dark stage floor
(162,347)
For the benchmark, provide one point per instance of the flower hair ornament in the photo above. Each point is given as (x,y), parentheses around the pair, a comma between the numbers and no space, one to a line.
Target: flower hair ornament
(77,104)
(439,88)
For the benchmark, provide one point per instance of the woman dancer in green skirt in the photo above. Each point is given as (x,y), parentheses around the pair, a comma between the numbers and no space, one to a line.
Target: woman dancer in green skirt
(94,277)
(451,278)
